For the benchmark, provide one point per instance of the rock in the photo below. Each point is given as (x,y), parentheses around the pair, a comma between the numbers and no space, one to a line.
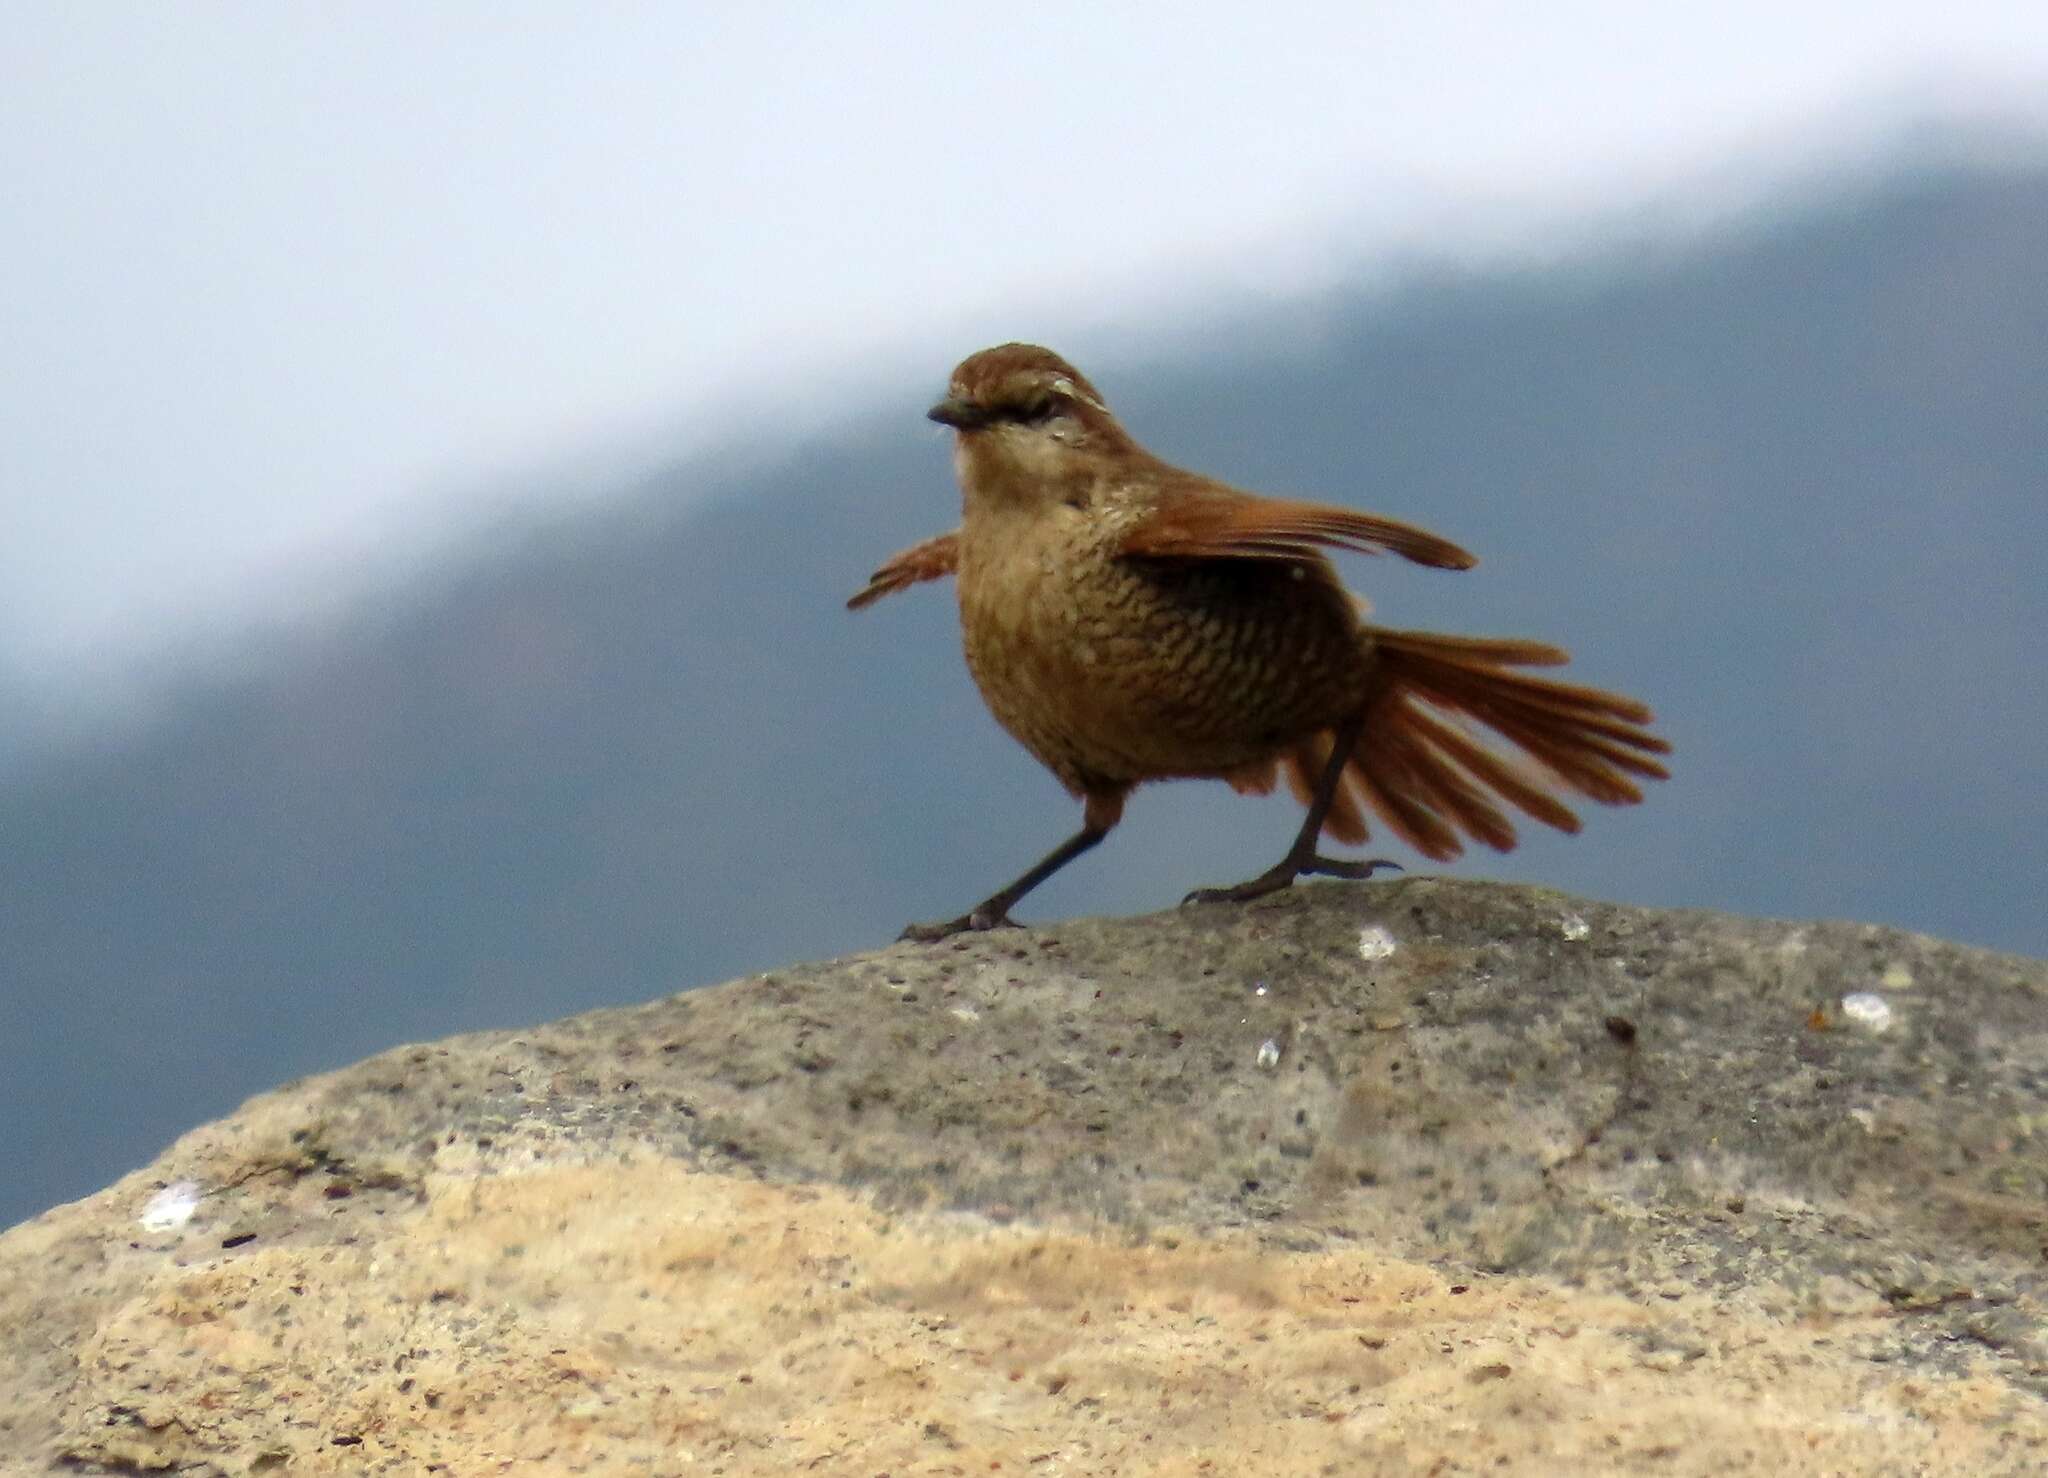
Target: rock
(1417,1177)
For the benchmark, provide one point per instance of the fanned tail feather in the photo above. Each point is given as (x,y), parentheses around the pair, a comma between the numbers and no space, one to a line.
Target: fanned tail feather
(1435,784)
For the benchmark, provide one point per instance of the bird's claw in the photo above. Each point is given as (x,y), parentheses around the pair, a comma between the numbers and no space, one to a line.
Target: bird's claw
(978,921)
(1337,867)
(1276,878)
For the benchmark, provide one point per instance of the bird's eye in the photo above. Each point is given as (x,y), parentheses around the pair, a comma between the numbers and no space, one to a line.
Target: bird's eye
(1037,410)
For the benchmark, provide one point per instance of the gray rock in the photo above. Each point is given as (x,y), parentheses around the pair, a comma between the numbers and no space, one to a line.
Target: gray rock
(1665,1199)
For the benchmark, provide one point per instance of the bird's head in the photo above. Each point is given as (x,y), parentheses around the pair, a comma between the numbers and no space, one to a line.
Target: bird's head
(1021,409)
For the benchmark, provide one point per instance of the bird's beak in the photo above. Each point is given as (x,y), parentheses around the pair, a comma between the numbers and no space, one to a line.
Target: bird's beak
(960,414)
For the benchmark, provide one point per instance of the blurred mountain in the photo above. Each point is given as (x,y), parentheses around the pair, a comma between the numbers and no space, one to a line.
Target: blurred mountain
(1789,484)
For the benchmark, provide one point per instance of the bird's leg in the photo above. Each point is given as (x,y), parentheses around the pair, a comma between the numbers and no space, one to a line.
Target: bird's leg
(1302,858)
(1102,811)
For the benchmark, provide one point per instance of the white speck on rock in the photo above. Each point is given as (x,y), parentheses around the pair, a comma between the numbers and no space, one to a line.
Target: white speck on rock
(170,1207)
(1867,1008)
(1375,943)
(1573,927)
(1269,1053)
(1259,989)
(966,1013)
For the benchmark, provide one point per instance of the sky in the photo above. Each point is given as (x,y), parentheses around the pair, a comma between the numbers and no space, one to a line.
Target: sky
(289,290)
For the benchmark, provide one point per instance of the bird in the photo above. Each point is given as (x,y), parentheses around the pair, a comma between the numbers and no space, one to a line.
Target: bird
(1129,621)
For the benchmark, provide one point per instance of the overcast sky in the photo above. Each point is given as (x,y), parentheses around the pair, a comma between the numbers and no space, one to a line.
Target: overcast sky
(283,286)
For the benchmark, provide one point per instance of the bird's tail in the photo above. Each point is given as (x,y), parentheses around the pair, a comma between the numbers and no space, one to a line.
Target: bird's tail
(1421,767)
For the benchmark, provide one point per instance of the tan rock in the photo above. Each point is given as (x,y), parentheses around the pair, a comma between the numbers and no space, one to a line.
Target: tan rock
(1592,1202)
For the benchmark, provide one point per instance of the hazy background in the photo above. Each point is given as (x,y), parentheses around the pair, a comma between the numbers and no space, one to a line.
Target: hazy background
(434,447)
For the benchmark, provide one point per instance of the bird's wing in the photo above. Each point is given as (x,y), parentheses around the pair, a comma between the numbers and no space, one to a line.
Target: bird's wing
(934,559)
(1199,519)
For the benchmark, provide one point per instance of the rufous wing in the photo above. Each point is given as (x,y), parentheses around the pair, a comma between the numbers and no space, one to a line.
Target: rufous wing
(1205,520)
(934,559)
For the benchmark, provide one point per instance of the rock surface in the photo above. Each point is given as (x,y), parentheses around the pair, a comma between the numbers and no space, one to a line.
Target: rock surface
(1424,1177)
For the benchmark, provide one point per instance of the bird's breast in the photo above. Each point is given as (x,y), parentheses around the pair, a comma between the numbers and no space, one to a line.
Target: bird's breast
(1113,670)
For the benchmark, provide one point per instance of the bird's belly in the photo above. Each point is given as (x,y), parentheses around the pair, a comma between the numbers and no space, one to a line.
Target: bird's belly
(1119,673)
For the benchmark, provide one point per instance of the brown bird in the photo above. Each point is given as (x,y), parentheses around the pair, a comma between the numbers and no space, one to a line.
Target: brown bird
(1129,621)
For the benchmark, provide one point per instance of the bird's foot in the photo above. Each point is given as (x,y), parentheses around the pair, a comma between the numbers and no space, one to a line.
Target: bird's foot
(977,921)
(1283,874)
(1339,867)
